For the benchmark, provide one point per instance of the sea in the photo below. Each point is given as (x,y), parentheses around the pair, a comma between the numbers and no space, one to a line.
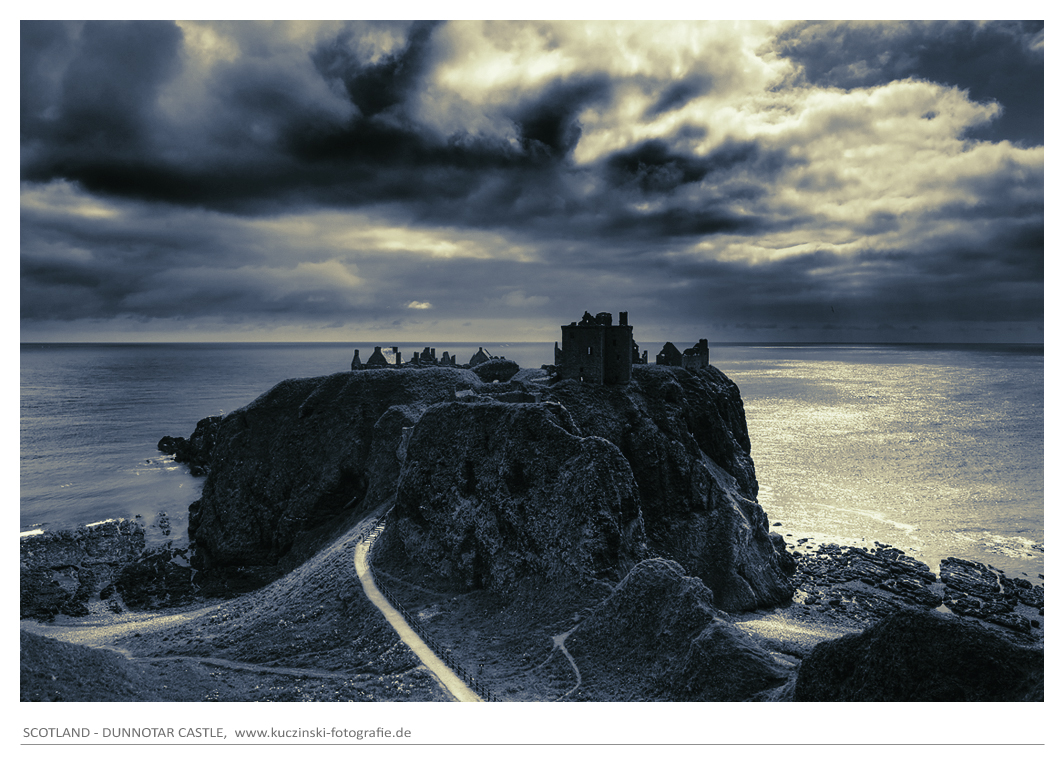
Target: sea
(936,449)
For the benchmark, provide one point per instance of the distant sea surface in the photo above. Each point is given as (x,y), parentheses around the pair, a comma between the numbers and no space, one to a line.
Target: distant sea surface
(935,449)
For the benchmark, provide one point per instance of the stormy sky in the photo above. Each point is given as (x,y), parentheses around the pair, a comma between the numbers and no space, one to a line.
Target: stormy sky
(490,181)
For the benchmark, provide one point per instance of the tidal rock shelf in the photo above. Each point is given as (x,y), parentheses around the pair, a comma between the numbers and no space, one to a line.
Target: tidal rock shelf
(862,586)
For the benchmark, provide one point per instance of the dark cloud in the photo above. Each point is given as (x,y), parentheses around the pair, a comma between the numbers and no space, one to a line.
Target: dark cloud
(377,155)
(382,86)
(380,153)
(101,137)
(998,61)
(104,101)
(965,283)
(548,124)
(654,168)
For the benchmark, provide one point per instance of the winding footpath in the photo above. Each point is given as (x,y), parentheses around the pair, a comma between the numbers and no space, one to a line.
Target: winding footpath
(105,633)
(446,676)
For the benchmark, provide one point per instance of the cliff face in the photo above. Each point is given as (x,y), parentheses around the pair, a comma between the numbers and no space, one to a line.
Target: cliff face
(500,481)
(308,451)
(491,492)
(684,434)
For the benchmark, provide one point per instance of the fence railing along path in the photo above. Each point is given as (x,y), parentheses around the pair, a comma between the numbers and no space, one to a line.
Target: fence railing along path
(462,684)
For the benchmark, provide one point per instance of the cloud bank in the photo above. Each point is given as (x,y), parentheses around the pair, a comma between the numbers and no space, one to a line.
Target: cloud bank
(784,181)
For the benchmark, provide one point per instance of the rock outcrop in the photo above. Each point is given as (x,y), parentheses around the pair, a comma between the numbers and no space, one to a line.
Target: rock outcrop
(494,481)
(922,656)
(195,451)
(306,453)
(659,636)
(60,571)
(684,434)
(493,492)
(159,578)
(496,369)
(977,590)
(867,585)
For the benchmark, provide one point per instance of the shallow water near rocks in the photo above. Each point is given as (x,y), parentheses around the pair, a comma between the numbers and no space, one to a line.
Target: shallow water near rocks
(934,449)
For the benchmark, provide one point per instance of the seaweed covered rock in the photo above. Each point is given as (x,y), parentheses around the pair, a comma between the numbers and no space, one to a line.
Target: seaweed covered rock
(493,492)
(922,656)
(659,636)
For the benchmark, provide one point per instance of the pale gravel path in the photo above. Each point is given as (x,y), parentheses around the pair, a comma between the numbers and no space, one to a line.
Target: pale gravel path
(104,630)
(454,684)
(779,625)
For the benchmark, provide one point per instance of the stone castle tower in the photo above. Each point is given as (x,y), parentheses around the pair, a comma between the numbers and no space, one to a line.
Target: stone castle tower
(595,350)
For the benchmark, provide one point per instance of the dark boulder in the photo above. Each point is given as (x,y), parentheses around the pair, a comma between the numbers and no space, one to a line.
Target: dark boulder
(725,664)
(921,656)
(658,636)
(497,369)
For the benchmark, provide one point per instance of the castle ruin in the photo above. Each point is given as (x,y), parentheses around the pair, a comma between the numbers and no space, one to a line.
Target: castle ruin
(423,359)
(595,350)
(695,358)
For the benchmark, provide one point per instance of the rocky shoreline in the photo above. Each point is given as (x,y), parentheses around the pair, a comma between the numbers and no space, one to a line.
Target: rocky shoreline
(840,592)
(864,586)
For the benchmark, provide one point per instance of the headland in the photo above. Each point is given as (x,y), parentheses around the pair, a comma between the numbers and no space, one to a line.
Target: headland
(584,531)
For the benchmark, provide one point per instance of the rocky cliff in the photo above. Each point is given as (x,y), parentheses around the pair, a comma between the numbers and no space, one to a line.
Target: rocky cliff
(492,492)
(494,482)
(684,435)
(60,571)
(306,453)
